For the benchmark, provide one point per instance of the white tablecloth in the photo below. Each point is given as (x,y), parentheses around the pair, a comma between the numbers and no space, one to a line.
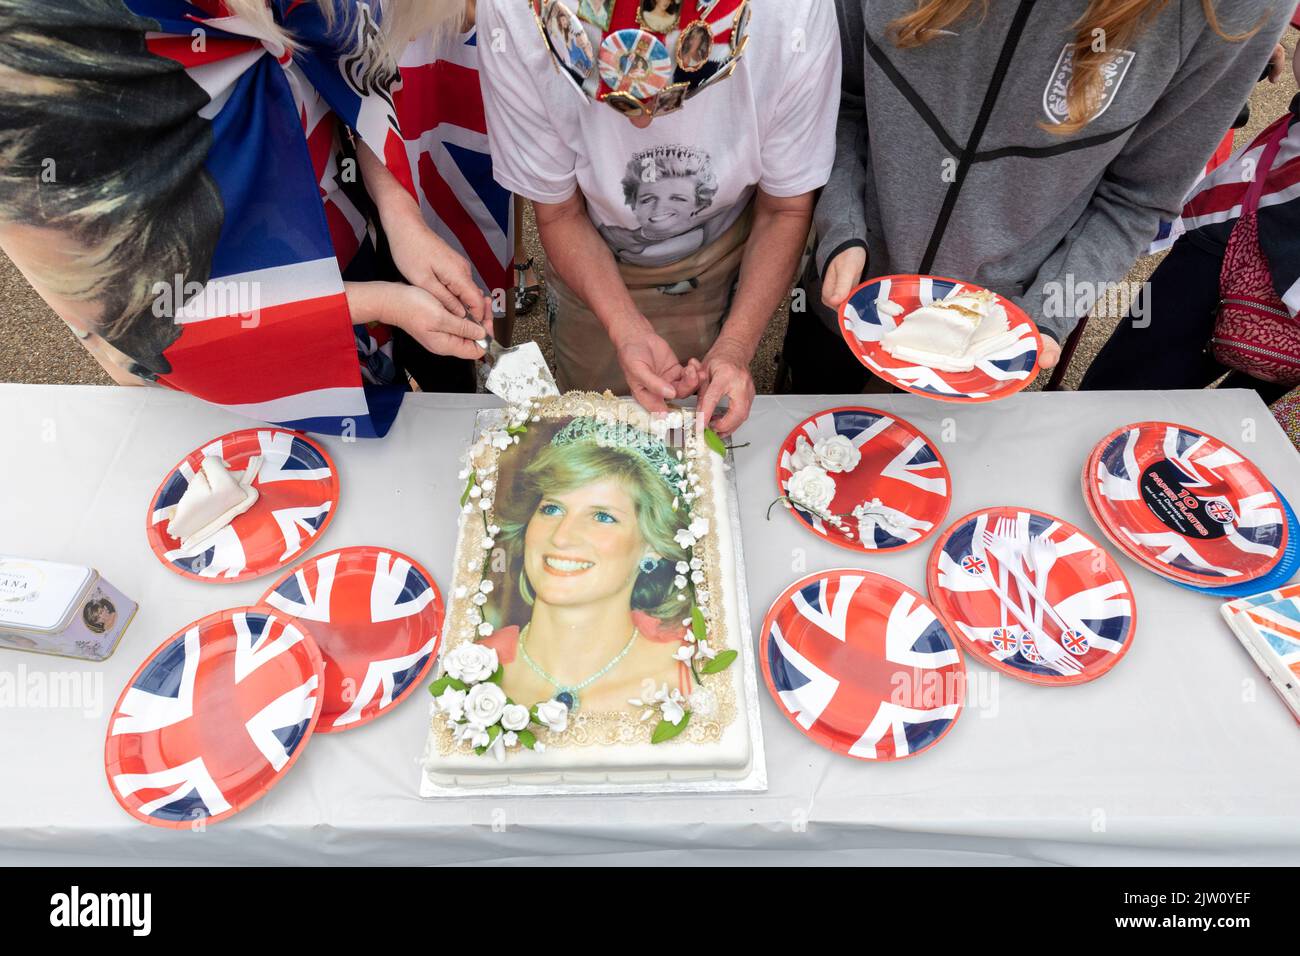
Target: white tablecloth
(1182,754)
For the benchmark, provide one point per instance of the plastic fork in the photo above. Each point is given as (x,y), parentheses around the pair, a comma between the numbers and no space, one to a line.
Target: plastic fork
(1059,661)
(1002,545)
(1041,552)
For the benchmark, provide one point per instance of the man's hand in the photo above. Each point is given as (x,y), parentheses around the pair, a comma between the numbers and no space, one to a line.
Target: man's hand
(843,274)
(724,373)
(1050,354)
(651,368)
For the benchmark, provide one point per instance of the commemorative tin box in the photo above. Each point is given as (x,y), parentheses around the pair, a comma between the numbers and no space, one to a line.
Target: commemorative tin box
(64,609)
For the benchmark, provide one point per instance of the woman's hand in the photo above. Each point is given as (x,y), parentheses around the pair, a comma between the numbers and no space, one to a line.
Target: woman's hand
(420,255)
(1050,353)
(1276,64)
(724,373)
(419,314)
(843,274)
(427,261)
(651,368)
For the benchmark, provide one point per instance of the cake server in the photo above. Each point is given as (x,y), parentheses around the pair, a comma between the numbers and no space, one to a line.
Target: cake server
(517,374)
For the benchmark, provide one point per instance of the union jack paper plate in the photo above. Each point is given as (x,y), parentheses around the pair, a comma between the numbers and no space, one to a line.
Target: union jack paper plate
(998,375)
(900,484)
(862,665)
(298,493)
(1185,505)
(1282,572)
(214,718)
(376,616)
(1084,584)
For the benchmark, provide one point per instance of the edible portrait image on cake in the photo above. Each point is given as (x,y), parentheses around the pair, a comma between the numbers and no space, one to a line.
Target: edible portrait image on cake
(587,606)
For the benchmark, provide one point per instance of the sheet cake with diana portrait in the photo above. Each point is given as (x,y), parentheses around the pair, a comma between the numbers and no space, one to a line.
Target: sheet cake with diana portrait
(596,633)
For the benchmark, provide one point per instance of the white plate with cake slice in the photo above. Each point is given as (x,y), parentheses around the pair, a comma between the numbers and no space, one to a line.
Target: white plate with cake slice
(941,338)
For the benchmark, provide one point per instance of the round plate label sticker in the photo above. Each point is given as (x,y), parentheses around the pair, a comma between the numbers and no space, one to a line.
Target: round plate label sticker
(1179,509)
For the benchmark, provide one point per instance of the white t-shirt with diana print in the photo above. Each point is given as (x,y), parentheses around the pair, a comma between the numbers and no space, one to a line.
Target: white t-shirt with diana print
(659,194)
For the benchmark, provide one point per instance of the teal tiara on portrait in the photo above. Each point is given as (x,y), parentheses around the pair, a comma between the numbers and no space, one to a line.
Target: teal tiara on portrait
(623,437)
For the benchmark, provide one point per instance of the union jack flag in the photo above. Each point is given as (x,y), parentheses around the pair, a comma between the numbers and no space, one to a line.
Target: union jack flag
(297,494)
(377,618)
(1204,470)
(1075,641)
(1214,205)
(270,335)
(1005,639)
(863,665)
(213,718)
(440,109)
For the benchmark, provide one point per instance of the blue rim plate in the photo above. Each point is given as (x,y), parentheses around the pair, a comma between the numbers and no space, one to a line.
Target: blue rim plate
(1280,575)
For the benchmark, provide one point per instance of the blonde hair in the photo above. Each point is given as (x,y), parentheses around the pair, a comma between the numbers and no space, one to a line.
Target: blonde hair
(1119,22)
(403,21)
(558,469)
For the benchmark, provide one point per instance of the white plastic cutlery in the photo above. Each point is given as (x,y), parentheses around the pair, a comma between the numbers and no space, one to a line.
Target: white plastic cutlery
(1006,552)
(1053,655)
(1063,664)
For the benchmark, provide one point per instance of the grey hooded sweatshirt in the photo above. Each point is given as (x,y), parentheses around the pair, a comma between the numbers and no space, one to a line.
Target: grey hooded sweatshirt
(943,165)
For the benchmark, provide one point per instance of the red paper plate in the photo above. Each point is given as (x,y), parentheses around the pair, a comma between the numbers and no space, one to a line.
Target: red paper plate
(214,718)
(862,665)
(376,616)
(897,465)
(298,489)
(1185,505)
(1085,585)
(997,376)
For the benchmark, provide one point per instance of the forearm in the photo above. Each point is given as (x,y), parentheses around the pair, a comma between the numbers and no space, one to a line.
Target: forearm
(772,254)
(577,254)
(390,197)
(841,215)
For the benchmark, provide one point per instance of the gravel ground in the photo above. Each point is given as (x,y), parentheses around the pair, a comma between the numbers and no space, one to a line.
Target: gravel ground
(36,347)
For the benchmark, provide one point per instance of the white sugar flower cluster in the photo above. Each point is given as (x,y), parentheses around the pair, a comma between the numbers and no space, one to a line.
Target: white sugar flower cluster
(810,486)
(670,703)
(478,710)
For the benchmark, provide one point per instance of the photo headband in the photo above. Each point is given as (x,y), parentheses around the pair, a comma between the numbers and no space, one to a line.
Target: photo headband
(644,57)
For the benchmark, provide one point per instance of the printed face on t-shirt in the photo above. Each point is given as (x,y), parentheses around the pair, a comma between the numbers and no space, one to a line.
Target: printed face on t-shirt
(664,207)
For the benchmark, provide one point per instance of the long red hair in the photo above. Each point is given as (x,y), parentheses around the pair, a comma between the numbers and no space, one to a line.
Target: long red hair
(1106,25)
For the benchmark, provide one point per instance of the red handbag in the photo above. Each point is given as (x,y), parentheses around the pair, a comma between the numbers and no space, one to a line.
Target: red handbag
(1254,332)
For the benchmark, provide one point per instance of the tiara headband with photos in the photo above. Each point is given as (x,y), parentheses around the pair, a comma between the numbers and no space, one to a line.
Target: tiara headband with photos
(644,57)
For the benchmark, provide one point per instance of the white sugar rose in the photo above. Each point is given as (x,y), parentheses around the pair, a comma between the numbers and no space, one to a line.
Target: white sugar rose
(470,663)
(514,717)
(553,715)
(484,704)
(803,454)
(837,453)
(811,488)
